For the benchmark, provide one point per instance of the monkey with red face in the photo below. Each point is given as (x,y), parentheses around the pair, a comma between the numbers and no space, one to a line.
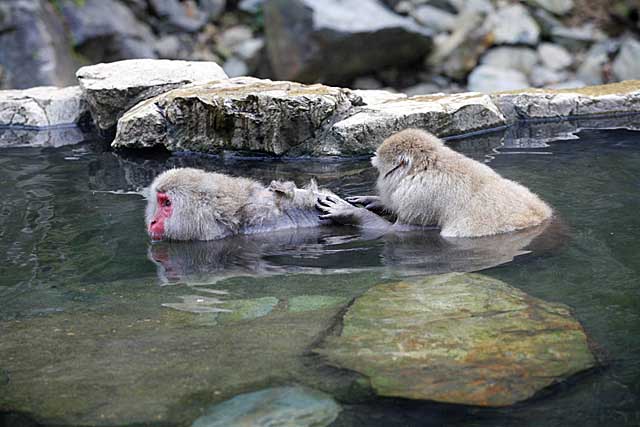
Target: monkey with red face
(191,204)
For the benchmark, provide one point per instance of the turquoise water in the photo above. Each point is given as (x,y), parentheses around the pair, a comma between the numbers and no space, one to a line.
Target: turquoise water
(89,338)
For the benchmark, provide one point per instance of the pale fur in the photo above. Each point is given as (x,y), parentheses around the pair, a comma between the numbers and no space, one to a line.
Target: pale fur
(437,186)
(209,206)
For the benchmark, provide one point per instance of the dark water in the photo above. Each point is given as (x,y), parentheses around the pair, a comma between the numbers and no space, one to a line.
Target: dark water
(75,261)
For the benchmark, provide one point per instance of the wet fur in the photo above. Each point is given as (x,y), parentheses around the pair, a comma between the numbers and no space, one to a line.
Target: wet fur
(434,185)
(209,206)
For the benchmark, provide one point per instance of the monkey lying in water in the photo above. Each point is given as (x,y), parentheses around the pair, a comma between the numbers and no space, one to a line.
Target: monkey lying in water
(191,204)
(422,182)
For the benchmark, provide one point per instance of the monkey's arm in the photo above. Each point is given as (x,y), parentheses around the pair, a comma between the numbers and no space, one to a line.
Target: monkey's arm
(338,210)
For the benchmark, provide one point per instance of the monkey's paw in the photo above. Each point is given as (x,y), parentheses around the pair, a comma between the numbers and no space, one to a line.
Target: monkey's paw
(371,203)
(338,210)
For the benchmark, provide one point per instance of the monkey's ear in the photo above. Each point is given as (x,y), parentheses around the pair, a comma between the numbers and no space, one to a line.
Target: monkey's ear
(401,164)
(283,188)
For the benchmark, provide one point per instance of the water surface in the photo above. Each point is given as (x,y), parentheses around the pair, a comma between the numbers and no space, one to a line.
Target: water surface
(85,298)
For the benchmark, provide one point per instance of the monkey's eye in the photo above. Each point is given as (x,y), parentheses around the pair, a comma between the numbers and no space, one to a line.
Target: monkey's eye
(167,203)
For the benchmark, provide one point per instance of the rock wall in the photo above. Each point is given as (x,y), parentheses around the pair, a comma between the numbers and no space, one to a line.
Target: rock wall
(412,46)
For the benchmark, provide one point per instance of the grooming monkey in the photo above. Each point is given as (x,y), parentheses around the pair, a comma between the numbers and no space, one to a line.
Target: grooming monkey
(424,183)
(191,204)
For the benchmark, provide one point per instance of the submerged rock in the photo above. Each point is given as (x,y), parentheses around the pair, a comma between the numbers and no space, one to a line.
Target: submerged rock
(336,40)
(165,367)
(459,338)
(282,406)
(111,89)
(608,99)
(49,137)
(42,107)
(365,129)
(239,114)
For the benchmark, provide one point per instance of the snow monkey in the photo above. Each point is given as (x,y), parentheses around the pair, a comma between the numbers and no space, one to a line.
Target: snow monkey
(191,204)
(422,182)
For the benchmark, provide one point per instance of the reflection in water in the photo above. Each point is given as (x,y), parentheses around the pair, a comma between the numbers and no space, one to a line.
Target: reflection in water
(325,250)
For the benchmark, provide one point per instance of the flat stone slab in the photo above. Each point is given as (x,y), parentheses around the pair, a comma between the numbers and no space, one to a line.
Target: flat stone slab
(615,98)
(443,115)
(42,107)
(239,114)
(459,338)
(113,88)
(280,406)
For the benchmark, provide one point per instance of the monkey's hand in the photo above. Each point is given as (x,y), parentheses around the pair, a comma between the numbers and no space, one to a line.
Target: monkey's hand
(342,212)
(371,203)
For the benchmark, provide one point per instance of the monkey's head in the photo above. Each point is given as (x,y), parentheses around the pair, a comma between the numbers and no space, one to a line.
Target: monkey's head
(191,204)
(410,150)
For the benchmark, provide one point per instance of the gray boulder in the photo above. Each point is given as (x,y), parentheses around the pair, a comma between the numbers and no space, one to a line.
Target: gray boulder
(434,18)
(177,16)
(522,59)
(559,7)
(240,114)
(336,40)
(487,79)
(577,37)
(34,47)
(457,54)
(542,76)
(627,64)
(514,25)
(106,30)
(554,56)
(42,107)
(591,71)
(282,406)
(111,89)
(459,338)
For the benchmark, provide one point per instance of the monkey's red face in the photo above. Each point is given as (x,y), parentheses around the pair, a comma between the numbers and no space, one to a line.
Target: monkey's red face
(164,209)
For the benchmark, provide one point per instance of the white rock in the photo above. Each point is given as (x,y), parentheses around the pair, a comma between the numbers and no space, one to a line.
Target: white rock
(363,131)
(522,59)
(487,79)
(235,67)
(577,37)
(592,68)
(559,7)
(42,107)
(554,56)
(627,64)
(434,18)
(113,88)
(542,76)
(514,25)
